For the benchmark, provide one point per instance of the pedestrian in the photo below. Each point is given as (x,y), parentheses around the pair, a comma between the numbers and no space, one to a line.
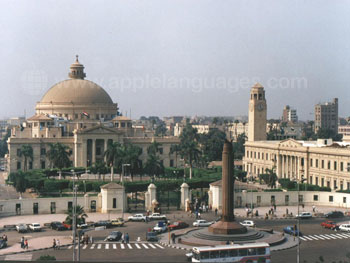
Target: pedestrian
(123,238)
(54,244)
(26,244)
(313,208)
(4,237)
(216,211)
(58,244)
(127,238)
(287,211)
(199,215)
(22,242)
(173,238)
(274,207)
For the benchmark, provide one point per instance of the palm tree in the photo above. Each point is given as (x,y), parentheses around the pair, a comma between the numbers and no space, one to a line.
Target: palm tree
(175,148)
(80,215)
(154,166)
(58,155)
(27,153)
(132,156)
(112,154)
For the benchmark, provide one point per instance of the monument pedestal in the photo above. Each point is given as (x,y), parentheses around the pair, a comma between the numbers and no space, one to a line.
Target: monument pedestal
(228,228)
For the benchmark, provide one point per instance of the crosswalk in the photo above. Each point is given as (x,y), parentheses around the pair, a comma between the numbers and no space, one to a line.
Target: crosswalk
(19,257)
(324,237)
(116,246)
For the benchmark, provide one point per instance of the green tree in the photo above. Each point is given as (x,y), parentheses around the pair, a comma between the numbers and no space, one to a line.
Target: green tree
(80,215)
(59,154)
(132,156)
(270,177)
(99,168)
(3,144)
(212,144)
(189,146)
(27,153)
(153,166)
(112,154)
(175,149)
(20,182)
(238,146)
(324,133)
(160,130)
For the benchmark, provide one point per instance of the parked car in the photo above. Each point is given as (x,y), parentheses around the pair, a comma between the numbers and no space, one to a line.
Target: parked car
(3,243)
(160,227)
(291,231)
(67,226)
(21,228)
(2,168)
(304,215)
(35,227)
(151,236)
(249,223)
(137,217)
(202,223)
(178,225)
(344,227)
(57,226)
(330,225)
(334,214)
(117,222)
(114,236)
(104,223)
(82,226)
(157,216)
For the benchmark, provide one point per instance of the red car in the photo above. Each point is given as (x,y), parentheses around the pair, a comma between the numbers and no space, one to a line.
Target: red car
(67,226)
(178,225)
(330,224)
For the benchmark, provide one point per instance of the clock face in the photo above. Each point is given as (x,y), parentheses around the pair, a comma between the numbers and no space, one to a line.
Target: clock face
(260,107)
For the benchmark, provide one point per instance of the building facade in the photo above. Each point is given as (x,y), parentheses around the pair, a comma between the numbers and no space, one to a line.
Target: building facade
(326,116)
(289,114)
(80,114)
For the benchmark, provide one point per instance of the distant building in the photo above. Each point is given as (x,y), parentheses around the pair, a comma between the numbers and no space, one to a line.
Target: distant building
(289,114)
(326,116)
(344,130)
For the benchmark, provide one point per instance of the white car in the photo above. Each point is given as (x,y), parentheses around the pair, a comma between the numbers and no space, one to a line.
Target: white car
(137,217)
(160,227)
(304,215)
(344,227)
(22,228)
(249,223)
(157,216)
(202,222)
(35,227)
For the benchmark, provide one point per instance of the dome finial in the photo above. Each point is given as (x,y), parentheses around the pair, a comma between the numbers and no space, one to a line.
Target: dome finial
(76,58)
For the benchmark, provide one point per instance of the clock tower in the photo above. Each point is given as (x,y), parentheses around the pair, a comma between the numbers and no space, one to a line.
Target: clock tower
(257,114)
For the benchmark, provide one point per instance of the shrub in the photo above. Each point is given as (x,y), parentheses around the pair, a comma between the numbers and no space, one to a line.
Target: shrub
(46,257)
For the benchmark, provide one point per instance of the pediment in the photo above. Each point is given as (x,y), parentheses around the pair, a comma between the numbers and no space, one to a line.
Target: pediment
(99,130)
(290,143)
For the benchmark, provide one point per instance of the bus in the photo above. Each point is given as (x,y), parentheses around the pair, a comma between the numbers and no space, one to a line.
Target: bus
(247,253)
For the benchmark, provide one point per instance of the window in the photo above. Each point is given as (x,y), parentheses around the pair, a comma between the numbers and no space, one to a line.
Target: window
(214,254)
(160,150)
(329,165)
(341,166)
(344,200)
(322,164)
(42,151)
(19,153)
(233,253)
(261,250)
(335,184)
(18,165)
(242,252)
(30,165)
(97,116)
(204,255)
(286,198)
(311,162)
(254,155)
(123,124)
(302,161)
(331,198)
(223,253)
(171,163)
(117,124)
(251,154)
(251,251)
(315,197)
(114,202)
(316,163)
(258,155)
(322,182)
(267,156)
(98,150)
(316,181)
(335,165)
(301,197)
(43,165)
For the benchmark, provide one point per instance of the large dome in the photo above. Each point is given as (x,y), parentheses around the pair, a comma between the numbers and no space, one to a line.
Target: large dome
(77,91)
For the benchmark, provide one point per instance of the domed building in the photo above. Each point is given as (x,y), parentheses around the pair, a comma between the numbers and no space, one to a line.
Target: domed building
(77,98)
(80,114)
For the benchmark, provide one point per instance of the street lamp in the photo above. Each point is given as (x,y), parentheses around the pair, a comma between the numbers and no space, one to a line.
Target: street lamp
(122,181)
(298,217)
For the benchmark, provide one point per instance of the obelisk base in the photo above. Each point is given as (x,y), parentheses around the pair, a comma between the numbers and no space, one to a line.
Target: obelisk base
(222,227)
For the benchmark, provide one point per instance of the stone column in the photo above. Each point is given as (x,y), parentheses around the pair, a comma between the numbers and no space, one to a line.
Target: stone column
(283,174)
(105,148)
(84,153)
(185,194)
(76,162)
(93,151)
(278,166)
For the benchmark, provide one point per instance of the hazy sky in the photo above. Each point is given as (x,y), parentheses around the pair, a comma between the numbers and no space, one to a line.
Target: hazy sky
(179,57)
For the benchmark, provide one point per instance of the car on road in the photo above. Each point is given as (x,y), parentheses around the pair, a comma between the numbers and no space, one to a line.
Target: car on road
(344,227)
(114,236)
(291,230)
(249,223)
(151,236)
(330,225)
(157,216)
(334,214)
(57,226)
(3,243)
(178,225)
(35,227)
(21,228)
(117,222)
(304,215)
(2,168)
(103,223)
(67,226)
(202,223)
(137,217)
(160,227)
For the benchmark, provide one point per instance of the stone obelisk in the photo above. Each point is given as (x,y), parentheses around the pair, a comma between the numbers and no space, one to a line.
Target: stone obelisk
(227,224)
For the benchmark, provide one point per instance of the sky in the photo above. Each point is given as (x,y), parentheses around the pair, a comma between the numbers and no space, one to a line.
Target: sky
(180,57)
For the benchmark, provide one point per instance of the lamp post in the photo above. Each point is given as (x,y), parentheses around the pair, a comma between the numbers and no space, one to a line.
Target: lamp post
(298,217)
(251,178)
(122,181)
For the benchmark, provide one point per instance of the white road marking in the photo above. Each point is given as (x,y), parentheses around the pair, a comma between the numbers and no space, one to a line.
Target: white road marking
(19,257)
(70,247)
(114,246)
(313,237)
(318,236)
(336,236)
(346,235)
(326,237)
(151,245)
(107,246)
(144,245)
(93,246)
(129,246)
(342,235)
(303,238)
(122,246)
(159,246)
(308,238)
(84,247)
(138,246)
(99,246)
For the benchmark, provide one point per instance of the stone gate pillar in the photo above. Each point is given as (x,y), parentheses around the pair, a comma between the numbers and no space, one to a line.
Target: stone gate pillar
(185,195)
(150,196)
